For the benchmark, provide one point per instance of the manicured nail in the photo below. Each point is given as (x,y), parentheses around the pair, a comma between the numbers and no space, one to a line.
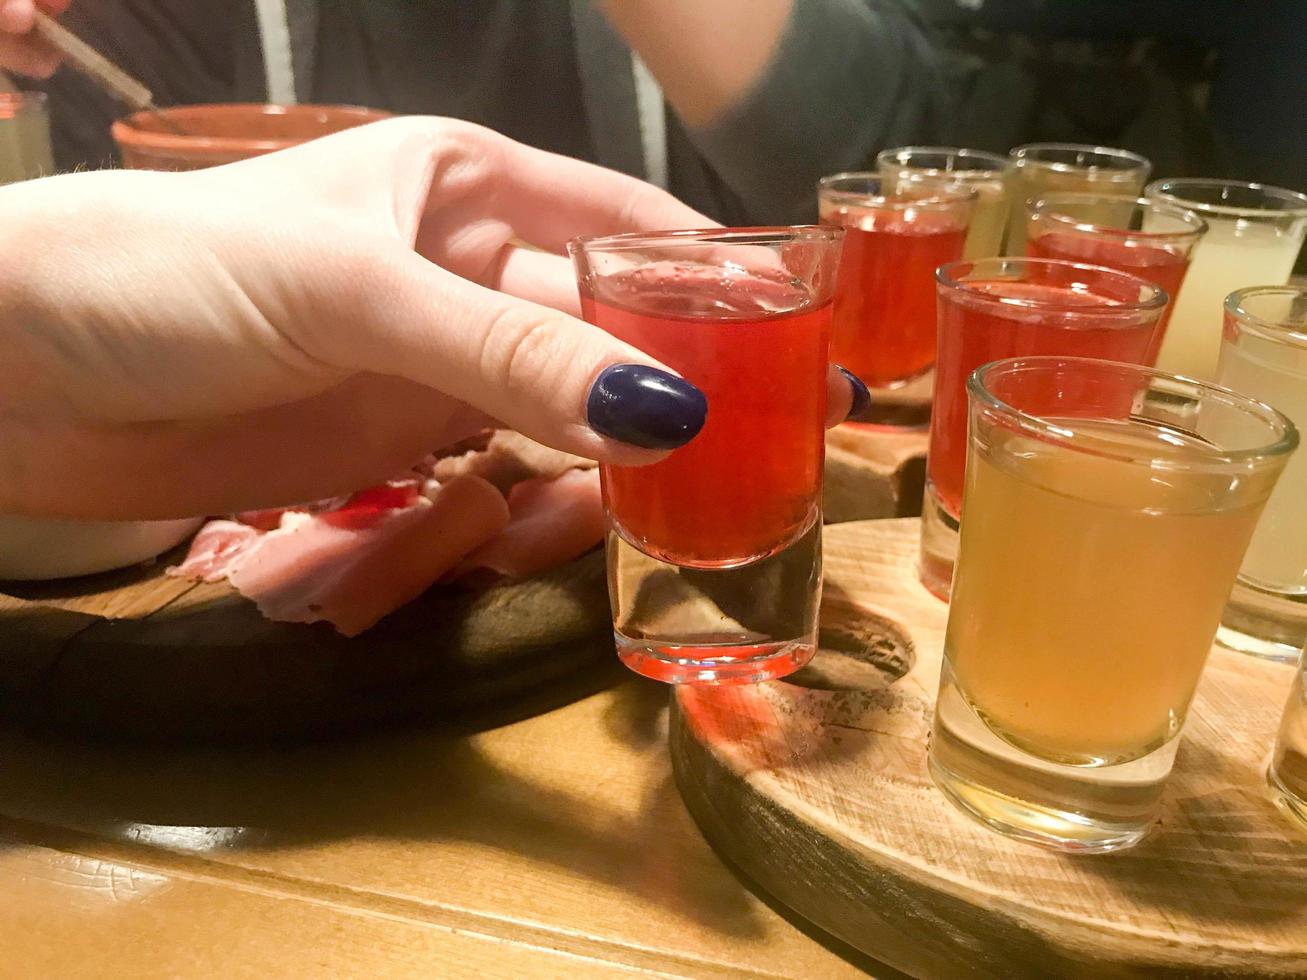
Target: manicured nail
(645,407)
(861,396)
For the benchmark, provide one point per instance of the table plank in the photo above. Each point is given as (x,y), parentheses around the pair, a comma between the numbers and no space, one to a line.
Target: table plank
(562,831)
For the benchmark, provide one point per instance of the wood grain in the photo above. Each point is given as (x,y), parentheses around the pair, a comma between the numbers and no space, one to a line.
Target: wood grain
(820,793)
(873,472)
(558,839)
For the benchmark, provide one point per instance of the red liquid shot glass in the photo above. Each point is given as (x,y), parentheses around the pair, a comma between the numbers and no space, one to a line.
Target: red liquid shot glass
(714,553)
(883,326)
(1144,238)
(1012,307)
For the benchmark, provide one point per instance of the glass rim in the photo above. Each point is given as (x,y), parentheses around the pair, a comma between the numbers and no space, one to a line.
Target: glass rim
(1130,161)
(1284,333)
(999,165)
(1160,188)
(1034,208)
(749,235)
(1280,425)
(947,198)
(1156,295)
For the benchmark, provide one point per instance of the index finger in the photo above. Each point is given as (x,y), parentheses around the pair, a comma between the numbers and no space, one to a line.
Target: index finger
(550,199)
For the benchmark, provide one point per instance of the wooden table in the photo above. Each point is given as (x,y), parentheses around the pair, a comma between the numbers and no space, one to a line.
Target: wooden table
(551,846)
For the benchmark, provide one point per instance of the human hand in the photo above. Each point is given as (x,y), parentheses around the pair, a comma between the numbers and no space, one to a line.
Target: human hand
(20,50)
(308,322)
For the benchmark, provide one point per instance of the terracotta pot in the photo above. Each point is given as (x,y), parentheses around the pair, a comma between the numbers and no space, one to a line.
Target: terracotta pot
(224,133)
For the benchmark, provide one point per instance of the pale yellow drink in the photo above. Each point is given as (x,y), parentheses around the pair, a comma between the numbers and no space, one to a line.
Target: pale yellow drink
(1054,168)
(1254,232)
(1273,368)
(1229,256)
(1089,588)
(988,174)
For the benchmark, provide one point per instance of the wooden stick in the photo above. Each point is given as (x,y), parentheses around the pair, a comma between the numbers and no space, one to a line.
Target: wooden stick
(93,64)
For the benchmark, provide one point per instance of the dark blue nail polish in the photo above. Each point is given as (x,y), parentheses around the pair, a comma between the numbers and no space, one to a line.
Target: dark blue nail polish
(861,396)
(645,407)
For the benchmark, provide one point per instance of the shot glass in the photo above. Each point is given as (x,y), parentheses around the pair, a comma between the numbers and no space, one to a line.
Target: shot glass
(883,329)
(1049,168)
(1253,236)
(1130,234)
(1107,509)
(24,137)
(714,554)
(1010,307)
(988,174)
(1264,354)
(1288,772)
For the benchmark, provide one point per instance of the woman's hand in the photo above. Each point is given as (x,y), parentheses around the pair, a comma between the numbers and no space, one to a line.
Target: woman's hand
(20,50)
(308,322)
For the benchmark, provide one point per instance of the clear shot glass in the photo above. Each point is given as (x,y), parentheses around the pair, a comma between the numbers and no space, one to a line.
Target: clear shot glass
(1050,168)
(1107,509)
(1145,238)
(990,175)
(1254,232)
(883,329)
(1264,354)
(1288,771)
(714,554)
(997,308)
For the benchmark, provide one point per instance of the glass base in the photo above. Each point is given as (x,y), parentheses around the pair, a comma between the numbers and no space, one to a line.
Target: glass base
(1265,624)
(1288,801)
(730,625)
(714,663)
(939,545)
(1085,809)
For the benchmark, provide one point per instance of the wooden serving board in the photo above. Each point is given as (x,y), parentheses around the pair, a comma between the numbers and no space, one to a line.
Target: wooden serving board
(816,788)
(137,654)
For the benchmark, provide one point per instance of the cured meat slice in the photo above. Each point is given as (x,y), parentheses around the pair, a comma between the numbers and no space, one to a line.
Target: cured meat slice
(550,522)
(352,572)
(216,549)
(508,458)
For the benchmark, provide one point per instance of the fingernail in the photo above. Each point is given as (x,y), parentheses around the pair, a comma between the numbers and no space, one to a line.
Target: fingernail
(645,407)
(861,396)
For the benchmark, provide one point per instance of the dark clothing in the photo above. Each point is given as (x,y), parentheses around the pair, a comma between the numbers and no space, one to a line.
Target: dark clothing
(849,77)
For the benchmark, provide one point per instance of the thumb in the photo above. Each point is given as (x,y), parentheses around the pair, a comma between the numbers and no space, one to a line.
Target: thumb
(554,378)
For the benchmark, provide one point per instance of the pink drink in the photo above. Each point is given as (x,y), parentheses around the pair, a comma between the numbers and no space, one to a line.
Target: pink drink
(999,308)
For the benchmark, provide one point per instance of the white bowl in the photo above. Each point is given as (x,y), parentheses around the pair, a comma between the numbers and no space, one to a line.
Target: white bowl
(37,548)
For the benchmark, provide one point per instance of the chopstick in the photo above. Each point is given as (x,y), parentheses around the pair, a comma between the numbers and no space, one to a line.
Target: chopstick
(101,70)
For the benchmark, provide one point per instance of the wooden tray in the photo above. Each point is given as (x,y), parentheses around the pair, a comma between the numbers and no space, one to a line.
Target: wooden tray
(817,789)
(141,655)
(138,654)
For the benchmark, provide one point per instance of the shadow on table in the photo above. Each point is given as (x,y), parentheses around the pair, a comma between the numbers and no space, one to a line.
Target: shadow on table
(233,805)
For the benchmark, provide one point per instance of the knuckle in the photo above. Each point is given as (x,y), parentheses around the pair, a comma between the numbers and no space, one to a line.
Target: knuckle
(525,352)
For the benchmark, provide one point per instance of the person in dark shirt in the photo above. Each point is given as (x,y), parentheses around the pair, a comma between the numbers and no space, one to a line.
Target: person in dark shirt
(736,106)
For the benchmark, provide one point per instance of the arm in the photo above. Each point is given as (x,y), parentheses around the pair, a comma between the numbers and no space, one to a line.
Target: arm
(682,43)
(808,88)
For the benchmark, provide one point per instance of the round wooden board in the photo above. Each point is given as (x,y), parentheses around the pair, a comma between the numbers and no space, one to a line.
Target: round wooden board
(817,789)
(141,655)
(138,654)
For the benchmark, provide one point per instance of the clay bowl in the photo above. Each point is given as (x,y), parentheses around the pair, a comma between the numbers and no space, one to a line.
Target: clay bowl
(225,133)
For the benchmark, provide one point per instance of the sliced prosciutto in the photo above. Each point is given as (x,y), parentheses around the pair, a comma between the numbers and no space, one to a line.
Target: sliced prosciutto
(218,547)
(550,522)
(351,560)
(506,458)
(351,566)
